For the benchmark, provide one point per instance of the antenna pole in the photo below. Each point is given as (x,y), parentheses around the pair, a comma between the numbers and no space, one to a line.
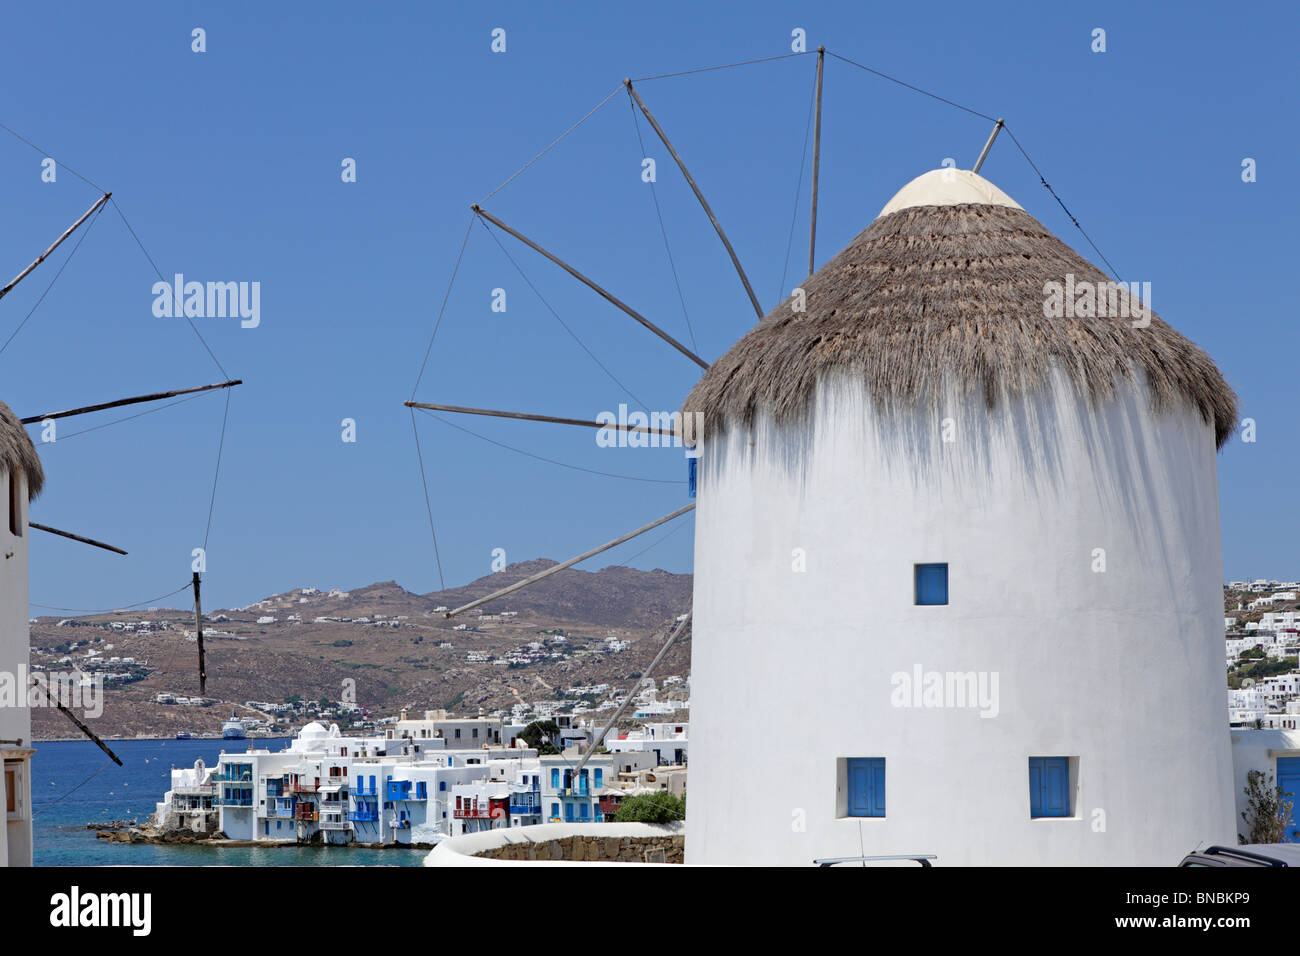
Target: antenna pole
(817,155)
(57,242)
(198,624)
(532,579)
(698,195)
(997,128)
(613,300)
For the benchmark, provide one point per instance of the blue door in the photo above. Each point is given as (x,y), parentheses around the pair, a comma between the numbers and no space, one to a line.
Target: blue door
(1288,779)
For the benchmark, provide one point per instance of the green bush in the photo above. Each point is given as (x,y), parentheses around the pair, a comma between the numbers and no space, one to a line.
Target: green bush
(660,807)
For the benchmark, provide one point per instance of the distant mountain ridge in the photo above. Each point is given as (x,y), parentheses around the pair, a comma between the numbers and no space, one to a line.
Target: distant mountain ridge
(615,596)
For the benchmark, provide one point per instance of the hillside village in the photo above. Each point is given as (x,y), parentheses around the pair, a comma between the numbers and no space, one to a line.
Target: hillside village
(569,645)
(1262,648)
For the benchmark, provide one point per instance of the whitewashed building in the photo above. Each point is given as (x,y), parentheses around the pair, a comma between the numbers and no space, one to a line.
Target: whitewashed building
(22,480)
(967,530)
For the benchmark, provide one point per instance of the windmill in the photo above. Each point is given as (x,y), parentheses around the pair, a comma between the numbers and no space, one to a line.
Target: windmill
(830,408)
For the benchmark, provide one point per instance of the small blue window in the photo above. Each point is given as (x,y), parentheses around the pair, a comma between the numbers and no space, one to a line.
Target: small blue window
(555,778)
(866,787)
(585,811)
(599,775)
(1049,786)
(692,472)
(932,584)
(555,810)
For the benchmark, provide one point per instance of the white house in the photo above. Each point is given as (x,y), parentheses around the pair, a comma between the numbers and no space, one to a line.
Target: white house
(966,529)
(1275,752)
(22,480)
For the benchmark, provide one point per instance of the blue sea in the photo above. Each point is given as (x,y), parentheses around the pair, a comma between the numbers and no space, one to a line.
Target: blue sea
(74,783)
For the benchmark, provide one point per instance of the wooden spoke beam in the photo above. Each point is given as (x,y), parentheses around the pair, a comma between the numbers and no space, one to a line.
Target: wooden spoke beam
(609,725)
(735,261)
(609,297)
(57,242)
(155,397)
(997,128)
(76,720)
(554,420)
(74,537)
(555,569)
(817,158)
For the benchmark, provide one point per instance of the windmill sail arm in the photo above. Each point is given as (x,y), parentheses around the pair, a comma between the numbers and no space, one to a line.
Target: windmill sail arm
(552,419)
(533,579)
(57,242)
(135,400)
(607,296)
(75,537)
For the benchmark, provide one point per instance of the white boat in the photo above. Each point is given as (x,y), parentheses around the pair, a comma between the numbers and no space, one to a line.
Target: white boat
(233,729)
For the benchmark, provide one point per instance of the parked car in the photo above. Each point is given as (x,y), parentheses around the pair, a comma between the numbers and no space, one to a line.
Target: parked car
(1251,854)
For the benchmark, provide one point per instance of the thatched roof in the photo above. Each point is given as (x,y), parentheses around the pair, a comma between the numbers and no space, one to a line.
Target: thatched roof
(946,289)
(17,451)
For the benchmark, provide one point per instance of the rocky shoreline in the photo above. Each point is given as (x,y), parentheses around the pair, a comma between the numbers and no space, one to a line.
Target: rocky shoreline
(131,832)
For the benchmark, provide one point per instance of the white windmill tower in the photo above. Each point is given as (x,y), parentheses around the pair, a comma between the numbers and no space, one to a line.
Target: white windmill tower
(957,560)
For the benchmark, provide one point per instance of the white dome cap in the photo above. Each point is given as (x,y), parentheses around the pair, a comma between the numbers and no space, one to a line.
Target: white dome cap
(948,187)
(313,731)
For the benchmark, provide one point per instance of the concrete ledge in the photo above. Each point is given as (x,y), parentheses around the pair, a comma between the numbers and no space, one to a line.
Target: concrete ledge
(562,844)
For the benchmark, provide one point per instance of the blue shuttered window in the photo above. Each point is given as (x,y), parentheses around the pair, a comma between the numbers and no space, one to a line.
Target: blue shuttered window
(866,787)
(931,584)
(1288,779)
(692,473)
(1049,786)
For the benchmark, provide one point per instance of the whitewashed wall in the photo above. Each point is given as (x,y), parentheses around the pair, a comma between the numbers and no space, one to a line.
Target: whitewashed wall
(1122,669)
(15,721)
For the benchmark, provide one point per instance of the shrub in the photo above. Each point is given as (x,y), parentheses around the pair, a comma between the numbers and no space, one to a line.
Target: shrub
(1268,810)
(659,807)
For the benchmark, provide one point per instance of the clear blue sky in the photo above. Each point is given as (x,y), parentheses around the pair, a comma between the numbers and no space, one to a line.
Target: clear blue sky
(227,164)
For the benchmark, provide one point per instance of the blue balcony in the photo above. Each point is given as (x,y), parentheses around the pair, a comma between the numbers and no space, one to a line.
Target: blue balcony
(233,800)
(232,775)
(364,816)
(398,790)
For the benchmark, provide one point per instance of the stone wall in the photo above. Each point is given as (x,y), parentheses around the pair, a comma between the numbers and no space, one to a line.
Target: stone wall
(592,849)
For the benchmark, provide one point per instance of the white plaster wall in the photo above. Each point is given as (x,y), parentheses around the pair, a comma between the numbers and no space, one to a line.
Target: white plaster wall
(1122,670)
(15,722)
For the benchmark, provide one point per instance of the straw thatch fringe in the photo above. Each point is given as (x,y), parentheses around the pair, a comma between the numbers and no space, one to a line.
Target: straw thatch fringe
(17,451)
(936,296)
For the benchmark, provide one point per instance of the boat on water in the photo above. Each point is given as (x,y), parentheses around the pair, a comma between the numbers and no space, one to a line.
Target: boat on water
(233,729)
(183,735)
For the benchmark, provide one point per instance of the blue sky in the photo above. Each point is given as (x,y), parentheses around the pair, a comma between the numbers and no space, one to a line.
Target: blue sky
(227,165)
